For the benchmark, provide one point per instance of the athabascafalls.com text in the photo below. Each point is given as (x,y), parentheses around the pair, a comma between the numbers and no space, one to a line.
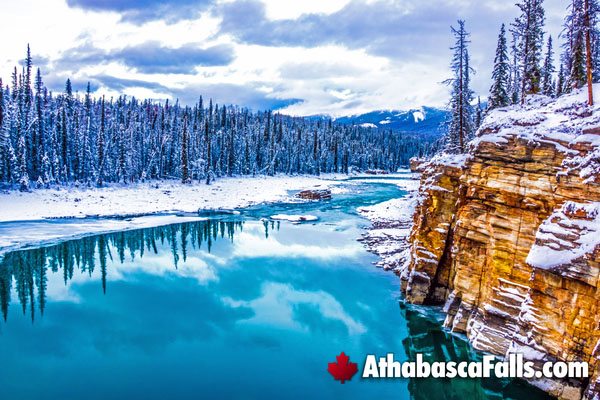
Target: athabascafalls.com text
(513,367)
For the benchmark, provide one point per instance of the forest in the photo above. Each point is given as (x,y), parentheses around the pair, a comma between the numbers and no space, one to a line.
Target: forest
(66,138)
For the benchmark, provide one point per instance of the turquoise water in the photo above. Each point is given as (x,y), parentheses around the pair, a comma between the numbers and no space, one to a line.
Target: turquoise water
(228,308)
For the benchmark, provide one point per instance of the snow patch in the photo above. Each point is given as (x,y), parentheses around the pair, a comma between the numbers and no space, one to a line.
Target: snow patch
(570,233)
(368,125)
(418,116)
(556,121)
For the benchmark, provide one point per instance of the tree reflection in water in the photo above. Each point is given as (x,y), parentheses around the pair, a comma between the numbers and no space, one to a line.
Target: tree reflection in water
(29,268)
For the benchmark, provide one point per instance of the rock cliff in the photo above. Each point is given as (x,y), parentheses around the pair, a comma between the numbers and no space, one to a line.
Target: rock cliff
(507,238)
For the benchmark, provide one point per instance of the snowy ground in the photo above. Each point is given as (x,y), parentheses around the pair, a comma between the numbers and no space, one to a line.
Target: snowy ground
(44,216)
(392,222)
(155,197)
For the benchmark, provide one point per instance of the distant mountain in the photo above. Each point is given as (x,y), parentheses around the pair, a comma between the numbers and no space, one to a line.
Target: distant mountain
(425,120)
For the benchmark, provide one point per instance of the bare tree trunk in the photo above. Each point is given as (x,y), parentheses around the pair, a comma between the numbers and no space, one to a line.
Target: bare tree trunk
(588,48)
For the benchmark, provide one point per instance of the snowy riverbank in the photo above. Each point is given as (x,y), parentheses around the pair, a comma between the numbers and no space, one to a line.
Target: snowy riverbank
(46,215)
(392,222)
(155,197)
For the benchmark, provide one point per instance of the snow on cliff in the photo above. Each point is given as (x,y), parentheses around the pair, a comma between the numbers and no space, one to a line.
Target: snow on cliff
(570,233)
(560,121)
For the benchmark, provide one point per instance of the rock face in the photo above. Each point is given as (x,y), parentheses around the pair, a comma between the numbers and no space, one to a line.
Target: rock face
(416,164)
(315,194)
(508,239)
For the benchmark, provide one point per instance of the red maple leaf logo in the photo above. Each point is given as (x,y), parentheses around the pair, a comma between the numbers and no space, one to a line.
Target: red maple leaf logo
(342,369)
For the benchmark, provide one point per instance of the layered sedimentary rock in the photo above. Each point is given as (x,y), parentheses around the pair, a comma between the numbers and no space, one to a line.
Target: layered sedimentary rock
(507,238)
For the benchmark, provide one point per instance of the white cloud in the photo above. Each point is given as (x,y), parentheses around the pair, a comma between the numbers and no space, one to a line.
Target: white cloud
(278,302)
(366,82)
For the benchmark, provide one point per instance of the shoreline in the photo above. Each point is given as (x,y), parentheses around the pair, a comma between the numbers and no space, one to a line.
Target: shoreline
(44,216)
(154,197)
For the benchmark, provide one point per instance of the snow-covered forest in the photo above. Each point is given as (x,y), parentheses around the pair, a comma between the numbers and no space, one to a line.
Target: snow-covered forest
(63,138)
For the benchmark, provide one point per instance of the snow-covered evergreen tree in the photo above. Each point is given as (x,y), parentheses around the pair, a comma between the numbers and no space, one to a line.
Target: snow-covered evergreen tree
(515,74)
(100,145)
(574,56)
(460,121)
(22,159)
(528,29)
(499,95)
(478,114)
(548,70)
(185,166)
(560,83)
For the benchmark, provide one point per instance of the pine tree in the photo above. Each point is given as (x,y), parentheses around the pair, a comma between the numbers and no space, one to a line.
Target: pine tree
(499,96)
(100,145)
(592,7)
(185,167)
(528,29)
(27,77)
(4,139)
(574,56)
(207,130)
(515,75)
(39,133)
(22,172)
(478,114)
(460,122)
(548,70)
(231,148)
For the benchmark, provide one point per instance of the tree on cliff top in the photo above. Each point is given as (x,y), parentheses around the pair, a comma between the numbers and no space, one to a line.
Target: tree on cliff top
(460,118)
(574,55)
(528,29)
(548,70)
(499,96)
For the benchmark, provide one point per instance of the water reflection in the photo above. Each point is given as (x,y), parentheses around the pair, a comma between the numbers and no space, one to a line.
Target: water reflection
(29,268)
(425,336)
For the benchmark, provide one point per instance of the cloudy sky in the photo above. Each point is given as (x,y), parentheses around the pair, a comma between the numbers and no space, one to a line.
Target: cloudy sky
(338,57)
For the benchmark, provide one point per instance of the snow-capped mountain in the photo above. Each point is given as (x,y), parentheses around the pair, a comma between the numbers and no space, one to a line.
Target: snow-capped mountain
(426,120)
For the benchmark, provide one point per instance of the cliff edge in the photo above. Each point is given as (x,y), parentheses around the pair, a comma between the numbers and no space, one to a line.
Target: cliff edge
(507,237)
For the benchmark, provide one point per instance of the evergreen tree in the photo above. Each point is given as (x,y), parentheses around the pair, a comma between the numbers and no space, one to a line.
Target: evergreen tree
(208,128)
(592,7)
(4,140)
(185,167)
(460,120)
(596,57)
(478,114)
(22,172)
(560,83)
(574,56)
(548,70)
(515,75)
(100,145)
(499,96)
(581,41)
(528,29)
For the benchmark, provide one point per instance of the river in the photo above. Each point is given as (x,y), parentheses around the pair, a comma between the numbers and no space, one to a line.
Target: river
(232,306)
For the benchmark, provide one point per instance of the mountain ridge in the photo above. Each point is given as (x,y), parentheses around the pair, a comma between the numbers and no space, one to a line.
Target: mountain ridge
(425,120)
